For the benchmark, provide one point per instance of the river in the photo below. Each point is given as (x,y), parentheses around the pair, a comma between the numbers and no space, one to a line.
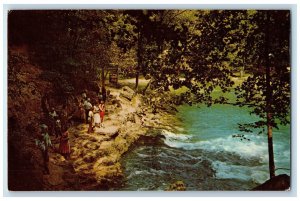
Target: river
(204,154)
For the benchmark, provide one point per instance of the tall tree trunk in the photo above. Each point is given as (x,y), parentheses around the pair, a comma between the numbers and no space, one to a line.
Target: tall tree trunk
(102,77)
(269,102)
(270,147)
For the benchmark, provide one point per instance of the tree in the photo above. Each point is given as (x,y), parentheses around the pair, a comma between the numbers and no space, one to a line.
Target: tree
(267,90)
(194,55)
(128,28)
(71,42)
(148,32)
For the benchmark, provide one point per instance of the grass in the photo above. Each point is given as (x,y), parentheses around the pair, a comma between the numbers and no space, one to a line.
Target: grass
(131,83)
(216,92)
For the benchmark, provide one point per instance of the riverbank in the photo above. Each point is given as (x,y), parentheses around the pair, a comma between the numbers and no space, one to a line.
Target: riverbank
(95,158)
(94,162)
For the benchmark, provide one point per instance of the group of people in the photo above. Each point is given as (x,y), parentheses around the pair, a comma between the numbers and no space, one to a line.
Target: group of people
(57,126)
(92,114)
(54,128)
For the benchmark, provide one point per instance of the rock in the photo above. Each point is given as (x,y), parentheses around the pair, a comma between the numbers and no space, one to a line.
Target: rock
(105,145)
(137,119)
(136,101)
(89,158)
(277,183)
(85,143)
(108,151)
(177,186)
(83,168)
(128,89)
(57,158)
(121,144)
(130,118)
(111,131)
(127,93)
(92,146)
(151,140)
(78,162)
(106,161)
(150,116)
(115,102)
(106,172)
(55,176)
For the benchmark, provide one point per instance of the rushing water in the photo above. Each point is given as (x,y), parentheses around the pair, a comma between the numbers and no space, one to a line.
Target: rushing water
(205,155)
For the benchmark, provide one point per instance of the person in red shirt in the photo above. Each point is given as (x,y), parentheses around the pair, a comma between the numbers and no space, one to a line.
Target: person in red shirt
(102,111)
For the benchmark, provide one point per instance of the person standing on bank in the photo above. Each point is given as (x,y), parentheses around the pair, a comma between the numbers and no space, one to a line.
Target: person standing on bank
(64,146)
(43,142)
(53,116)
(87,106)
(83,95)
(58,128)
(102,111)
(82,111)
(91,121)
(97,120)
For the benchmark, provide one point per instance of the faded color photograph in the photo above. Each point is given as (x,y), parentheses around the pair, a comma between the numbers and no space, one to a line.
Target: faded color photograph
(149,100)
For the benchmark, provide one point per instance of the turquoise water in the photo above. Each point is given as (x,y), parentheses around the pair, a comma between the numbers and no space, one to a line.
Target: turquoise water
(212,129)
(205,155)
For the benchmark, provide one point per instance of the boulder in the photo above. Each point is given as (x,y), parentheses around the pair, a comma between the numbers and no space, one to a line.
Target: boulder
(151,140)
(277,183)
(127,93)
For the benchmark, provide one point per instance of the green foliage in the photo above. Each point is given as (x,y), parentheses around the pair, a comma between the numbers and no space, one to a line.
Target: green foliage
(195,49)
(125,61)
(188,52)
(275,53)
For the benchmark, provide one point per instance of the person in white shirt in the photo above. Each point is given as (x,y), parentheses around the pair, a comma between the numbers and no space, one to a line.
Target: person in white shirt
(87,106)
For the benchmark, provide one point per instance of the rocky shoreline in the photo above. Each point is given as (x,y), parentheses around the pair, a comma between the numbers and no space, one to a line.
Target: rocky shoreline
(95,158)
